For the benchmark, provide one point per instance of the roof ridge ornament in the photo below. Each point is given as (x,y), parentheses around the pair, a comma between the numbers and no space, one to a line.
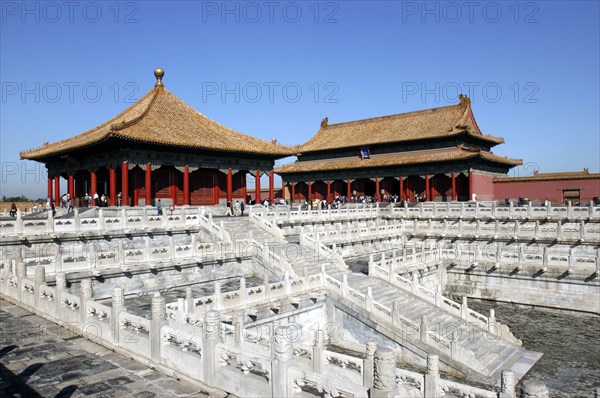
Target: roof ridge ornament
(324,122)
(159,73)
(464,100)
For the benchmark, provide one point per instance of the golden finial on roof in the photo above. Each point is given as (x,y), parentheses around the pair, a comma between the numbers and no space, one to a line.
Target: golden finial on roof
(159,73)
(324,122)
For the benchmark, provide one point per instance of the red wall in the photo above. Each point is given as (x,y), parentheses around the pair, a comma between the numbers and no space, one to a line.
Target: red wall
(546,190)
(483,186)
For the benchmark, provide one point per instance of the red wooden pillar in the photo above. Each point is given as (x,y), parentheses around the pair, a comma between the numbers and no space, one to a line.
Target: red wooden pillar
(57,190)
(244,189)
(309,190)
(71,186)
(427,193)
(377,196)
(349,188)
(49,187)
(401,188)
(454,196)
(271,186)
(93,184)
(293,193)
(328,191)
(186,185)
(470,184)
(148,184)
(431,193)
(257,187)
(112,177)
(229,189)
(124,184)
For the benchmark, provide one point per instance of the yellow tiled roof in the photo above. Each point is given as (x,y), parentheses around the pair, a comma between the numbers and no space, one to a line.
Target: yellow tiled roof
(433,123)
(395,159)
(161,118)
(567,175)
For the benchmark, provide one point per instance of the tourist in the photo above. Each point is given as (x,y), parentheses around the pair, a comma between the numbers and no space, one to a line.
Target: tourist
(53,209)
(242,206)
(228,212)
(96,199)
(266,203)
(13,209)
(159,207)
(71,204)
(236,208)
(506,202)
(119,197)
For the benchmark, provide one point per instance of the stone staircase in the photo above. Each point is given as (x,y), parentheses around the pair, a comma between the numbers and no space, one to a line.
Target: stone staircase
(479,354)
(242,228)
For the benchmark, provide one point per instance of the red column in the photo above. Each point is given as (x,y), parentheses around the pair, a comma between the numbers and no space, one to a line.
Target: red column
(57,190)
(470,184)
(309,190)
(124,184)
(148,184)
(349,191)
(328,191)
(271,186)
(401,188)
(71,186)
(377,195)
(427,193)
(50,187)
(93,185)
(454,196)
(186,185)
(244,189)
(112,182)
(293,193)
(257,187)
(229,189)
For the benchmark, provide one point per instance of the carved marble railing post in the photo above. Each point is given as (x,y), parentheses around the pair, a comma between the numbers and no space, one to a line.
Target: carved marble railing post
(86,294)
(40,279)
(282,355)
(384,374)
(558,229)
(243,291)
(19,222)
(218,302)
(415,283)
(76,219)
(529,209)
(423,329)
(491,324)
(534,389)
(582,234)
(369,299)
(432,377)
(344,285)
(211,335)
(317,354)
(189,300)
(464,309)
(50,222)
(159,319)
(180,314)
(569,210)
(369,363)
(507,385)
(101,223)
(118,305)
(147,250)
(238,325)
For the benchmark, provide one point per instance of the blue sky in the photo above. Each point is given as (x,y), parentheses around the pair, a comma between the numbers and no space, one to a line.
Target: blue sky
(275,69)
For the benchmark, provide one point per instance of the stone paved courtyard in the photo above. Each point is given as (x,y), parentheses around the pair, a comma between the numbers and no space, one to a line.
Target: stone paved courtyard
(40,359)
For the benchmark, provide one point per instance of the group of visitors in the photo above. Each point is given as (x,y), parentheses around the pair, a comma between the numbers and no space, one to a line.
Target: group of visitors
(235,209)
